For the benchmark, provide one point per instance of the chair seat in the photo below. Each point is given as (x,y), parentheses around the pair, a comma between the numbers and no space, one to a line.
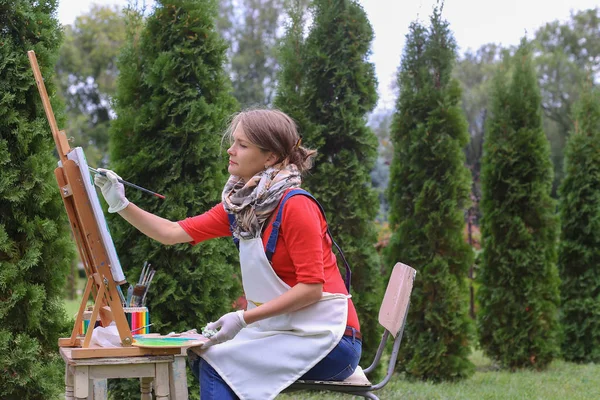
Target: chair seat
(392,317)
(357,379)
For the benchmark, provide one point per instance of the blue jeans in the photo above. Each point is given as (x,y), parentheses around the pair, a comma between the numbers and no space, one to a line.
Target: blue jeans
(339,364)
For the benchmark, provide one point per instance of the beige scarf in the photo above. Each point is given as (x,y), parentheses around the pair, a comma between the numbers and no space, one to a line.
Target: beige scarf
(253,202)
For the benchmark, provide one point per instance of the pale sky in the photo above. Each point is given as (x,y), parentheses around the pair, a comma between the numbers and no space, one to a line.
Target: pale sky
(473,22)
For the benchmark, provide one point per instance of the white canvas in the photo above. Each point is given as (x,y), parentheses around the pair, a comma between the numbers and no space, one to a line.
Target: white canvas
(76,154)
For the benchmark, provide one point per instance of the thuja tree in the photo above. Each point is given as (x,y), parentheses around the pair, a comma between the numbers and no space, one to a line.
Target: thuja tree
(579,250)
(428,192)
(336,87)
(35,245)
(173,100)
(518,296)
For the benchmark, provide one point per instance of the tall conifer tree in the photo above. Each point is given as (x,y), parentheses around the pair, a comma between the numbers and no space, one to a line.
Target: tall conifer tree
(35,244)
(329,96)
(518,319)
(428,192)
(579,250)
(172,104)
(173,101)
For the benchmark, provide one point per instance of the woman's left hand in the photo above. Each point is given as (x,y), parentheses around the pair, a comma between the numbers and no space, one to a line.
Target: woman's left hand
(231,324)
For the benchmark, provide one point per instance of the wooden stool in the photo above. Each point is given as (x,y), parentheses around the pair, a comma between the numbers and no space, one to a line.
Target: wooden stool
(86,378)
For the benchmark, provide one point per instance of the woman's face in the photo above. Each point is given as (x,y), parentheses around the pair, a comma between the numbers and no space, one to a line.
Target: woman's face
(245,158)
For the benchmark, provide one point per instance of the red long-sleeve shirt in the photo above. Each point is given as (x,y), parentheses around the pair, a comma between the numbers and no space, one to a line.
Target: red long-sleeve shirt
(303,251)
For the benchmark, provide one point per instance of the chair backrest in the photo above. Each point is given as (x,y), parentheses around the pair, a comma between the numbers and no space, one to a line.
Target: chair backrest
(397,298)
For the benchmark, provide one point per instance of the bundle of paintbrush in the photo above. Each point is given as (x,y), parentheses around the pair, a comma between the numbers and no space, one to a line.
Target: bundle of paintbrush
(136,295)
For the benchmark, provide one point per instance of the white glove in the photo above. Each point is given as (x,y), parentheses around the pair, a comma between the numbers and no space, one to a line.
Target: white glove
(112,190)
(231,324)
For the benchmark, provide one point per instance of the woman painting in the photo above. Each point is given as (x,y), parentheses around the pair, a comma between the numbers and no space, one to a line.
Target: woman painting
(300,322)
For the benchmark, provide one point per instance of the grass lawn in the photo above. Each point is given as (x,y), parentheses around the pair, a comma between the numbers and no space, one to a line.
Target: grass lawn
(561,381)
(72,306)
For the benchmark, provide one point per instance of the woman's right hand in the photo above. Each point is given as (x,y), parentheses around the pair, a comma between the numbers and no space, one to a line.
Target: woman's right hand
(112,190)
(160,229)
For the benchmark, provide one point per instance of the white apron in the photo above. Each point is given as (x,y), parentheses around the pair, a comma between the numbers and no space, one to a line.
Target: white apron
(269,355)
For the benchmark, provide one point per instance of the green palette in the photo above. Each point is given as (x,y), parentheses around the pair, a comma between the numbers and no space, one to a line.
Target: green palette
(167,342)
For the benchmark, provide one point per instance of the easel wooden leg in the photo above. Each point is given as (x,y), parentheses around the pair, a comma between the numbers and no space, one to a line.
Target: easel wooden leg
(146,388)
(69,395)
(81,382)
(178,378)
(161,382)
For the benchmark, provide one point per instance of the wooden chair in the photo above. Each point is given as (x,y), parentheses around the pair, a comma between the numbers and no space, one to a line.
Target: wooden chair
(392,316)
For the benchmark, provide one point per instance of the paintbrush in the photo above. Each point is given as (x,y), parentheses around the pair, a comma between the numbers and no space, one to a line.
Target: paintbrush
(141,279)
(121,296)
(140,288)
(129,294)
(147,287)
(138,292)
(140,328)
(133,185)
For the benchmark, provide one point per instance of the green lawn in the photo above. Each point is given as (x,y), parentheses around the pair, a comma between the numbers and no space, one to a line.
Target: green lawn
(72,306)
(561,381)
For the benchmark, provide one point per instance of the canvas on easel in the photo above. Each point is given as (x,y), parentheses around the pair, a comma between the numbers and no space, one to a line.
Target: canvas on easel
(76,154)
(95,246)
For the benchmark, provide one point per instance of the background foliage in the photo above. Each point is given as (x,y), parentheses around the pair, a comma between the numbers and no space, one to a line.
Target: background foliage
(252,29)
(579,251)
(567,52)
(35,245)
(518,319)
(172,102)
(87,74)
(428,191)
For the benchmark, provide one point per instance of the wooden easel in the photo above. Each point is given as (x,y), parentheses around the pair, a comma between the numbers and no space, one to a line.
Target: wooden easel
(100,282)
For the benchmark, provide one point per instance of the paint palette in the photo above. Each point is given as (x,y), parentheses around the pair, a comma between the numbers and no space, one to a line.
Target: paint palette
(168,342)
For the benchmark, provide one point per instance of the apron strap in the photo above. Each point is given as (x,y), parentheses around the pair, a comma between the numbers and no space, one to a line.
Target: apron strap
(271,243)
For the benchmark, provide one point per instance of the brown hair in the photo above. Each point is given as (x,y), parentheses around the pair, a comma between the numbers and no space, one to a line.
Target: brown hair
(273,130)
